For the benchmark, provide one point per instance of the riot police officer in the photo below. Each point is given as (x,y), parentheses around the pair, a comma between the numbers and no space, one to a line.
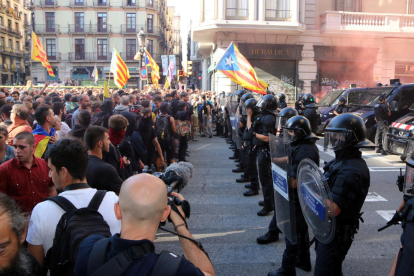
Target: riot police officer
(261,127)
(282,101)
(250,169)
(240,130)
(272,234)
(298,134)
(299,105)
(311,111)
(341,106)
(349,180)
(382,111)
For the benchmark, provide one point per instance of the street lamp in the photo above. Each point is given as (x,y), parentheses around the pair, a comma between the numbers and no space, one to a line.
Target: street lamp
(142,43)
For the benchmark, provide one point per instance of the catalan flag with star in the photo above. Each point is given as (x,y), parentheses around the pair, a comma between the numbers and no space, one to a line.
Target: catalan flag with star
(39,54)
(155,74)
(119,69)
(236,67)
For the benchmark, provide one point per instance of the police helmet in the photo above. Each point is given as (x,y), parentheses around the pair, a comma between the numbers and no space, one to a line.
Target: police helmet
(296,128)
(342,99)
(252,104)
(282,97)
(240,93)
(345,130)
(268,103)
(284,115)
(246,96)
(309,100)
(300,97)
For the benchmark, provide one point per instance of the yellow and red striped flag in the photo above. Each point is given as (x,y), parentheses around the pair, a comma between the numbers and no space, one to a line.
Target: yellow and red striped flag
(39,54)
(236,67)
(137,56)
(155,74)
(119,69)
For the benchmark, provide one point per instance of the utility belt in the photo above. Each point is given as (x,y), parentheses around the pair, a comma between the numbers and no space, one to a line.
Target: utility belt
(346,233)
(263,148)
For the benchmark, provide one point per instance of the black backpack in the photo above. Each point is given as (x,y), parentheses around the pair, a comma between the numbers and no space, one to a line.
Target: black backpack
(73,227)
(163,128)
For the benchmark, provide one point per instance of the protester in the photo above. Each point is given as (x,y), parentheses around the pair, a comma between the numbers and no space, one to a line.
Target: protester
(44,133)
(165,130)
(68,162)
(78,131)
(6,151)
(18,116)
(25,178)
(5,112)
(83,105)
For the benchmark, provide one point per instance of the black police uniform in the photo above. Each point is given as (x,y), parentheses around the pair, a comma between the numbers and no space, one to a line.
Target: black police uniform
(405,264)
(381,114)
(349,180)
(282,104)
(341,108)
(242,155)
(264,125)
(250,169)
(301,149)
(313,116)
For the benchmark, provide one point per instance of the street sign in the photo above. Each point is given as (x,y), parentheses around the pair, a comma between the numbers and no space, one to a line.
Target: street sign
(143,73)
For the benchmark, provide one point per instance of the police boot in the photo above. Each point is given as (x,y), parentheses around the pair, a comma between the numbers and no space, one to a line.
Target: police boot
(242,180)
(251,192)
(268,238)
(265,211)
(282,272)
(304,265)
(238,170)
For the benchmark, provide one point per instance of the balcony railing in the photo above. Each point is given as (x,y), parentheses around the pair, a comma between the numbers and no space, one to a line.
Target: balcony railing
(358,21)
(278,15)
(128,57)
(92,56)
(26,24)
(128,29)
(45,29)
(237,13)
(54,58)
(78,3)
(9,30)
(48,3)
(101,3)
(89,29)
(11,51)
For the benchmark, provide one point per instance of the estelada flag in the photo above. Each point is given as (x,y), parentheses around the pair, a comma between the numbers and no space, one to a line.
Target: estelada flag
(39,54)
(119,69)
(155,74)
(236,67)
(41,140)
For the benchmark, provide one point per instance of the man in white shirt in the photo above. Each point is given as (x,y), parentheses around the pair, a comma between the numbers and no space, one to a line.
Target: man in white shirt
(67,162)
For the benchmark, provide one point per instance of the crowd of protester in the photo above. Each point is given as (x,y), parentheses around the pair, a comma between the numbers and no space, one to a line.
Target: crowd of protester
(73,142)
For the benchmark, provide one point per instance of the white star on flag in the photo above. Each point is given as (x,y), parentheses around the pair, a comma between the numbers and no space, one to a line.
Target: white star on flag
(229,62)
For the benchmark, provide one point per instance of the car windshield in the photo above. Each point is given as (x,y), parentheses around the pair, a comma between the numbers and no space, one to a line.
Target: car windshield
(367,97)
(329,98)
(411,107)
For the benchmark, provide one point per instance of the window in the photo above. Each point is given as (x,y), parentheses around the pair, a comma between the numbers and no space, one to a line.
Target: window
(8,4)
(131,48)
(101,2)
(208,10)
(79,3)
(131,2)
(79,22)
(150,22)
(10,43)
(277,10)
(51,48)
(131,22)
(407,98)
(15,9)
(16,25)
(2,41)
(25,19)
(411,7)
(237,9)
(17,45)
(150,3)
(102,49)
(151,47)
(1,20)
(9,23)
(50,22)
(102,27)
(79,49)
(50,2)
(348,5)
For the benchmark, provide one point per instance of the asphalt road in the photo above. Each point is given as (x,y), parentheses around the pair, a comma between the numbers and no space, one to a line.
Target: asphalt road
(226,222)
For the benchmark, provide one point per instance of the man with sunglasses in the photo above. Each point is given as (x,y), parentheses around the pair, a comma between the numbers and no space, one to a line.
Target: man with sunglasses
(25,178)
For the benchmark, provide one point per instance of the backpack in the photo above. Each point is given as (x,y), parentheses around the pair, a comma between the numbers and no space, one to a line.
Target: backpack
(183,128)
(167,263)
(73,227)
(204,108)
(163,128)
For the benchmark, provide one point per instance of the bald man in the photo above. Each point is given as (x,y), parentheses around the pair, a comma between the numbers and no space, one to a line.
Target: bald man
(142,205)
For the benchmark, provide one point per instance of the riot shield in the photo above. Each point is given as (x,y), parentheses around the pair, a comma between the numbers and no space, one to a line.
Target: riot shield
(237,123)
(283,192)
(316,201)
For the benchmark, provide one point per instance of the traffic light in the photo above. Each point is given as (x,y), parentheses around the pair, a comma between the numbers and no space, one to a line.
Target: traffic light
(180,73)
(189,67)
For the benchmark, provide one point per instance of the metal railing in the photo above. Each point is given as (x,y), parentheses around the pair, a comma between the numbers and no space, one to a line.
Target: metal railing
(11,31)
(78,3)
(134,29)
(54,58)
(11,51)
(89,29)
(48,3)
(237,13)
(101,3)
(128,57)
(89,56)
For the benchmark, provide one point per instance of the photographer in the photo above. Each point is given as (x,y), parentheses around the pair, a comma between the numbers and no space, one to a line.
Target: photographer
(142,206)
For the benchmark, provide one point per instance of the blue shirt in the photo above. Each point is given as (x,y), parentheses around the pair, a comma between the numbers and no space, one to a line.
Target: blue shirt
(140,267)
(9,154)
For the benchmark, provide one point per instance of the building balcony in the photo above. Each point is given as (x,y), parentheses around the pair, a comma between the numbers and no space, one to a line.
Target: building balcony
(132,29)
(101,4)
(11,52)
(10,31)
(89,57)
(44,29)
(26,24)
(57,57)
(78,3)
(128,57)
(89,29)
(28,5)
(48,3)
(373,23)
